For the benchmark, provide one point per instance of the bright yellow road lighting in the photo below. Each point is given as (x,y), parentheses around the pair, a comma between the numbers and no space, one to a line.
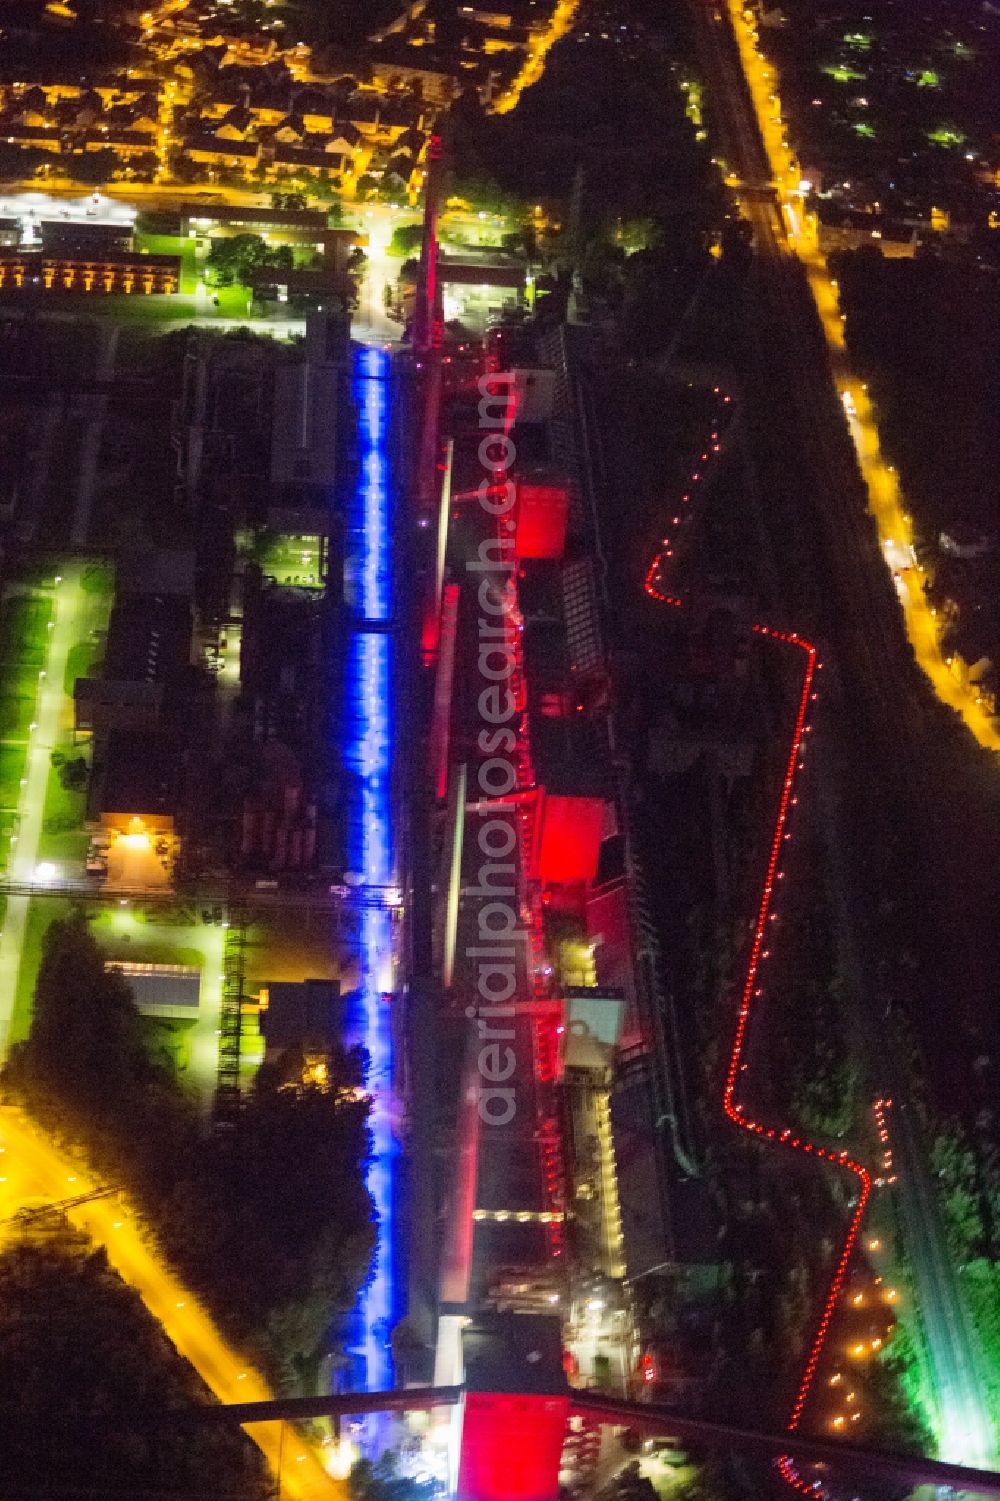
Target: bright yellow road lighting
(43,1173)
(884,498)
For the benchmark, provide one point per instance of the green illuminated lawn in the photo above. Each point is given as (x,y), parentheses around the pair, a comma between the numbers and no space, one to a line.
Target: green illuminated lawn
(24,623)
(80,662)
(41,912)
(11,770)
(841,74)
(63,838)
(291,560)
(173,245)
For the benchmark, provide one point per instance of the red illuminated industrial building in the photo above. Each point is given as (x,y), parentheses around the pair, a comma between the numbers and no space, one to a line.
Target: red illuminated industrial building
(529,1201)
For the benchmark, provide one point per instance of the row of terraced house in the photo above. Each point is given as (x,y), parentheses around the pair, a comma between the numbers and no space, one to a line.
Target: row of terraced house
(255,122)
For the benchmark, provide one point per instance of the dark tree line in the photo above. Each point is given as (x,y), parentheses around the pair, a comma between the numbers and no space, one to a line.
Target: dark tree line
(85,1380)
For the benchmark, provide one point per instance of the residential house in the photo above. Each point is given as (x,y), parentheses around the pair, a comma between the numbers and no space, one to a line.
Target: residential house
(235,125)
(294,161)
(47,137)
(209,149)
(317,112)
(131,117)
(269,106)
(129,145)
(32,111)
(290,132)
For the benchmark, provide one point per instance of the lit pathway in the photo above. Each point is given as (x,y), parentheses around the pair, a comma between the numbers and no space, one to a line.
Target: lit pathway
(804,660)
(31,1168)
(51,706)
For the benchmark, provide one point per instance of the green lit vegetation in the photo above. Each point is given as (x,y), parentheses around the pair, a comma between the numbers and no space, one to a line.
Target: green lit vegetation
(163,935)
(172,245)
(946,135)
(980,1283)
(42,911)
(381,1481)
(969,1190)
(928,79)
(236,257)
(860,40)
(904,1406)
(80,663)
(290,559)
(862,128)
(24,621)
(406,239)
(842,74)
(693,93)
(232,304)
(63,839)
(98,578)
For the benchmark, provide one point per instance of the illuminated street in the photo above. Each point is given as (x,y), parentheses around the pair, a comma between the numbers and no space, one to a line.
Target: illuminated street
(33,1169)
(885,499)
(534,64)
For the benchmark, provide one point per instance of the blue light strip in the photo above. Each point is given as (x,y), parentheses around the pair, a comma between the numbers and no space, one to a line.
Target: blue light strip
(368,754)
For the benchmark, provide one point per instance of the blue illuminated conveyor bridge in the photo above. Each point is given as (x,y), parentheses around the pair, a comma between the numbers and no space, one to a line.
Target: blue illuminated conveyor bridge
(368,734)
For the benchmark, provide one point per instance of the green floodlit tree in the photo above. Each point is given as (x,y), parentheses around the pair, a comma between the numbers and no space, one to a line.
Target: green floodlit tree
(713,1480)
(84,1059)
(381,1481)
(237,257)
(405,239)
(954,1163)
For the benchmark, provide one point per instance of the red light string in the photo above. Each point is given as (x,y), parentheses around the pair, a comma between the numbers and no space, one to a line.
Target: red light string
(736,1112)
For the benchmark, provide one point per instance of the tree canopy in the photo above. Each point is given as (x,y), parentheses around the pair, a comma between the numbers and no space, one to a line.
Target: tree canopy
(85,1377)
(381,1481)
(237,257)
